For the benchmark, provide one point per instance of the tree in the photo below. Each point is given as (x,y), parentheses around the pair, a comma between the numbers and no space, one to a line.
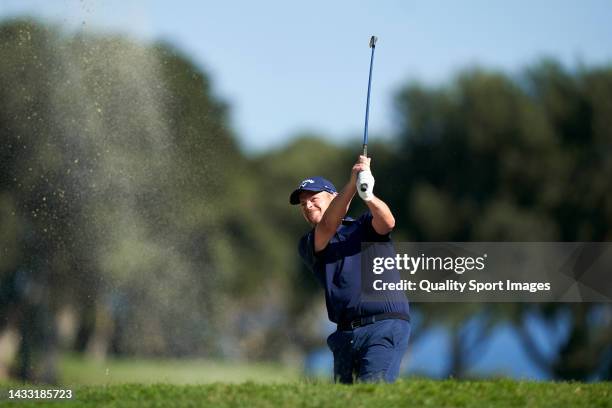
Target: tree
(116,162)
(491,158)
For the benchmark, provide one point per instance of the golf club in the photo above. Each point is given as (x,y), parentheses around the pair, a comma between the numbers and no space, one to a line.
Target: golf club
(373,40)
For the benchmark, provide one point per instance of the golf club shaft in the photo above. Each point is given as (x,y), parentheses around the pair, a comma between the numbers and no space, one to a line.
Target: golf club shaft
(367,113)
(373,40)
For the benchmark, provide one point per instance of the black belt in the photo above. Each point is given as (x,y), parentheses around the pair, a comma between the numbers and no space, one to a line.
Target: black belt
(363,321)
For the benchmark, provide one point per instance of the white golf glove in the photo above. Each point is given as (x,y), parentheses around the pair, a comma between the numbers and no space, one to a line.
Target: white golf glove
(365,178)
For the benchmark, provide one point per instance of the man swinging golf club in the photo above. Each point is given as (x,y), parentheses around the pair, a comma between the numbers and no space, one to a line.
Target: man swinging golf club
(371,336)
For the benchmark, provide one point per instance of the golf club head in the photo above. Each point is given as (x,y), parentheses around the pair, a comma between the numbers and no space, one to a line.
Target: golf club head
(373,40)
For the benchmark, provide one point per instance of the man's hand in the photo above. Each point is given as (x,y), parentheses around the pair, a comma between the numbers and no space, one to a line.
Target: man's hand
(365,178)
(361,174)
(362,164)
(383,221)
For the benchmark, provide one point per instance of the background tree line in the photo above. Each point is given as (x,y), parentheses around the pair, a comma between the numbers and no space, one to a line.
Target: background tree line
(132,224)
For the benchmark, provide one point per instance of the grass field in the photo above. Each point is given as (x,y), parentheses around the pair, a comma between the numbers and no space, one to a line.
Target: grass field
(406,393)
(76,370)
(177,383)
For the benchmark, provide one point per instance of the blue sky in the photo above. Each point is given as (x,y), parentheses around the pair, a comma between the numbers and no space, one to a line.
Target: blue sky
(287,67)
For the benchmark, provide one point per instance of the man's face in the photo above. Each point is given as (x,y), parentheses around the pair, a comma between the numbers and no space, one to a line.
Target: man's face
(314,204)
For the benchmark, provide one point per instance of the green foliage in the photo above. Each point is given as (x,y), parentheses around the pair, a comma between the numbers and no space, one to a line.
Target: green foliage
(517,159)
(117,164)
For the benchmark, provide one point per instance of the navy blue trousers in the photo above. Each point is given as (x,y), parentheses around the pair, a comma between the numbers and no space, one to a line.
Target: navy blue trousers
(370,353)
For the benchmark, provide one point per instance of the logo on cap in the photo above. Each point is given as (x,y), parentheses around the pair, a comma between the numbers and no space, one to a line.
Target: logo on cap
(307,181)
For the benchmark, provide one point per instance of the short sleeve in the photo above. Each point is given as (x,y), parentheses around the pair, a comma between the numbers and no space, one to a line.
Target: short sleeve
(370,234)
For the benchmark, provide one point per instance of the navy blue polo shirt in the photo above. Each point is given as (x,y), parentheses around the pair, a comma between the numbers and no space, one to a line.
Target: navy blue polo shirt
(338,269)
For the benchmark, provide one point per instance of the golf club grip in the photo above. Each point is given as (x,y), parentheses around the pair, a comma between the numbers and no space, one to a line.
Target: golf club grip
(364,186)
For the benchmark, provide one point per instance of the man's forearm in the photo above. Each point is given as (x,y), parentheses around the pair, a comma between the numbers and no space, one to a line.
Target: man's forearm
(382,218)
(339,207)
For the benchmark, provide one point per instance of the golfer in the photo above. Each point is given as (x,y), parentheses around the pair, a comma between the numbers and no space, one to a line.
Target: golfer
(371,336)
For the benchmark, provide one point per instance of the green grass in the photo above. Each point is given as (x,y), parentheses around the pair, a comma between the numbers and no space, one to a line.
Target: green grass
(170,383)
(77,370)
(406,393)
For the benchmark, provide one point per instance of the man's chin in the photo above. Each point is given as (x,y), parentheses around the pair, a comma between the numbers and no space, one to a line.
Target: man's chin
(314,220)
